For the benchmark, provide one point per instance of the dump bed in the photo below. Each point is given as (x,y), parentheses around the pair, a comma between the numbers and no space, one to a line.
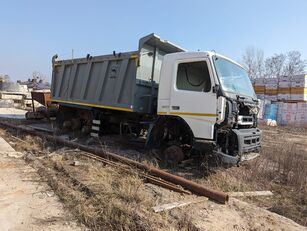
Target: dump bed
(120,81)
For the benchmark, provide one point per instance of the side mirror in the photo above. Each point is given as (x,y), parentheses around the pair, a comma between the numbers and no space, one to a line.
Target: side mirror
(215,88)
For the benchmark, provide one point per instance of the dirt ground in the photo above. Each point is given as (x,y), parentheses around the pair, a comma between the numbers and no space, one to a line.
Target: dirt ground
(27,203)
(105,198)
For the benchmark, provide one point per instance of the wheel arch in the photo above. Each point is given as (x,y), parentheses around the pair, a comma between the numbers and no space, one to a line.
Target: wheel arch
(161,120)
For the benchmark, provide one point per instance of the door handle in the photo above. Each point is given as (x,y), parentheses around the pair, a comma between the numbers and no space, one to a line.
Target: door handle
(175,107)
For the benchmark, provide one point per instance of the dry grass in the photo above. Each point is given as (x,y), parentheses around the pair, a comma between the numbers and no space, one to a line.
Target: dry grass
(186,223)
(117,199)
(285,172)
(120,202)
(228,182)
(99,196)
(284,164)
(281,168)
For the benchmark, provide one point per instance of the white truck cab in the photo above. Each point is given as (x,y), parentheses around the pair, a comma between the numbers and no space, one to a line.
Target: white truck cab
(215,98)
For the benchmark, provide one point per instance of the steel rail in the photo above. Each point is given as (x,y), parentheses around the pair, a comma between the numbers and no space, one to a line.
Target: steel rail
(149,178)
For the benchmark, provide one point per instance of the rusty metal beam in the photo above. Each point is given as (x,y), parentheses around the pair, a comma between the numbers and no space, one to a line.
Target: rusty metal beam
(187,184)
(149,178)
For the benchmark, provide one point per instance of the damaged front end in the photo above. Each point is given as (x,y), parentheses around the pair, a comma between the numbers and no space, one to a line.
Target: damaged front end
(236,134)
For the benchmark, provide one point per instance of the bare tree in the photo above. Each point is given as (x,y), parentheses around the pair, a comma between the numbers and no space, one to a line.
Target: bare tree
(253,60)
(294,64)
(285,64)
(259,63)
(274,65)
(249,61)
(277,65)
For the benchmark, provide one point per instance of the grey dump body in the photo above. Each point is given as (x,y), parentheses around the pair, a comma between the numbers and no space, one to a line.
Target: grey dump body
(121,81)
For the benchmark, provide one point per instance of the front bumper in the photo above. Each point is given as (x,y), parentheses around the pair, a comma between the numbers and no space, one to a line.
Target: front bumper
(228,159)
(249,143)
(248,140)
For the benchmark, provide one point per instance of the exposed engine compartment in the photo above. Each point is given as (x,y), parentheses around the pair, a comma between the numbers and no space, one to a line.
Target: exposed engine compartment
(238,133)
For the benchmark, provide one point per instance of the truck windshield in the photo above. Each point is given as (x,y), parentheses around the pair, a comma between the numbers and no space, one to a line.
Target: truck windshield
(233,78)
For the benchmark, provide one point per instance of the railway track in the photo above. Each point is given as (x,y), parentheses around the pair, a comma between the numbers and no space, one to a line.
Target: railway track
(151,174)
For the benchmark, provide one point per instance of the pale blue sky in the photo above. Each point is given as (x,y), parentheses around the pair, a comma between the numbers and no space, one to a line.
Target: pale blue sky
(32,31)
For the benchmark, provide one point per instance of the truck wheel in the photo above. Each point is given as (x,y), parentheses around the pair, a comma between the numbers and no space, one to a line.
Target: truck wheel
(59,122)
(173,138)
(62,119)
(173,155)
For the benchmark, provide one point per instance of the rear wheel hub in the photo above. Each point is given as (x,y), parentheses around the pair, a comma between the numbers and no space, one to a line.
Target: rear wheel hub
(173,155)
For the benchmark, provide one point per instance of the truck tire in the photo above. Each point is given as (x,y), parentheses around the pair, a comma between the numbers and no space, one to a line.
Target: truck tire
(168,135)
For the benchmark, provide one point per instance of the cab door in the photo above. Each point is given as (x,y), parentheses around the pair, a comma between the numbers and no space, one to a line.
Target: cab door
(193,97)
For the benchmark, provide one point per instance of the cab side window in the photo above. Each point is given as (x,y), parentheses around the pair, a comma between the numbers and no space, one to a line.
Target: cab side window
(193,76)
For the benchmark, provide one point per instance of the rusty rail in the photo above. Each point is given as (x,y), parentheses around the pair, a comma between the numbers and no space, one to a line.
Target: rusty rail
(187,184)
(149,178)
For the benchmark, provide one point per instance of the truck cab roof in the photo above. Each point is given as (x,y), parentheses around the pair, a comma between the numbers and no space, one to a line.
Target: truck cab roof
(198,54)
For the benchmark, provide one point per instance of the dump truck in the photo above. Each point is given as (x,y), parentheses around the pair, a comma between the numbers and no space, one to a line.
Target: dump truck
(179,100)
